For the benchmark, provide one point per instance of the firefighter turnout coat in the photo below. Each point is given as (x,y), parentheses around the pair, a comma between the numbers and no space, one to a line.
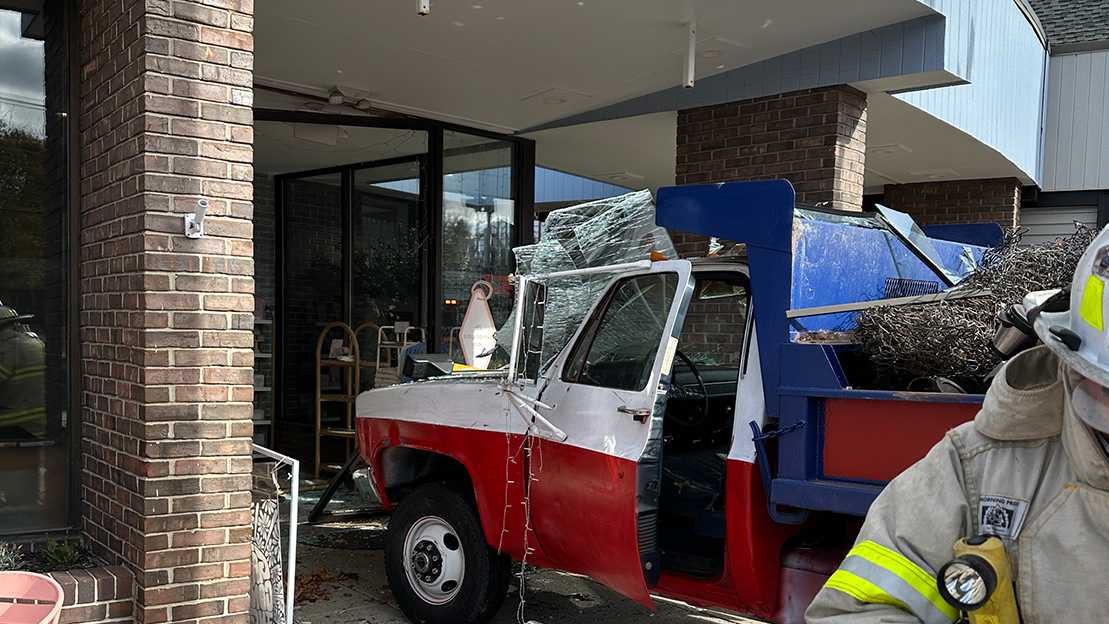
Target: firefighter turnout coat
(1026,470)
(22,370)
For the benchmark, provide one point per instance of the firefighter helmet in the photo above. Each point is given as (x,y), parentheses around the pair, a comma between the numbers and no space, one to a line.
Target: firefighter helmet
(9,315)
(1077,332)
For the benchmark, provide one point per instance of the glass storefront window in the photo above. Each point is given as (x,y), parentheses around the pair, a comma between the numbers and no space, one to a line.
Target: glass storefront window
(477,231)
(388,241)
(35,463)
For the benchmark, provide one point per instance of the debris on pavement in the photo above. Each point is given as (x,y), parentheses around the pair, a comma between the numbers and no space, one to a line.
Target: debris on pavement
(318,585)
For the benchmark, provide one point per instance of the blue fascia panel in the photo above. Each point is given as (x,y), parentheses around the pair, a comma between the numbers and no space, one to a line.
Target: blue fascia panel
(886,52)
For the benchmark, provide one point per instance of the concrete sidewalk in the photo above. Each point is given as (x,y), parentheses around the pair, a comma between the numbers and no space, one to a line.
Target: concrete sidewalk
(342,564)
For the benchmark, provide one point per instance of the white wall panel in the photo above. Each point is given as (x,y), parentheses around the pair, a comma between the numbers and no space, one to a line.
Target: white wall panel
(1076,140)
(992,46)
(1046,224)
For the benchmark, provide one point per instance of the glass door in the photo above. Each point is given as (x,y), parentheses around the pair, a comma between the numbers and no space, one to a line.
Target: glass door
(388,253)
(354,250)
(388,243)
(312,220)
(478,230)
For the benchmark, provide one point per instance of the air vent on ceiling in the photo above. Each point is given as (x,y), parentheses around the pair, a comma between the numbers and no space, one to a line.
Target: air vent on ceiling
(935,174)
(621,177)
(889,149)
(556,96)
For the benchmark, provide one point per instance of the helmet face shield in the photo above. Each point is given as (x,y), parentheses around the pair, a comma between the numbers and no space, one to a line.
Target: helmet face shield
(1090,402)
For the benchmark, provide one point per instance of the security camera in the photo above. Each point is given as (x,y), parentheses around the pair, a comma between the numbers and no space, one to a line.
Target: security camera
(425,7)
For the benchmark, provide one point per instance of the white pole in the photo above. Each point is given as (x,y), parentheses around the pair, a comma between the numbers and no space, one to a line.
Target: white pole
(290,590)
(691,58)
(517,326)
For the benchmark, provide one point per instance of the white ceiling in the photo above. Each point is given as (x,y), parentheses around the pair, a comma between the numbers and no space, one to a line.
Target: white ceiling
(904,144)
(511,64)
(286,148)
(642,146)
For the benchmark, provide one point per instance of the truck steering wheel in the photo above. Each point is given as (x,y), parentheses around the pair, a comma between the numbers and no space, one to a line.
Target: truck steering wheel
(695,418)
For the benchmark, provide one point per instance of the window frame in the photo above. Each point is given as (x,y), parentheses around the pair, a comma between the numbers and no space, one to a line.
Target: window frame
(71,285)
(584,341)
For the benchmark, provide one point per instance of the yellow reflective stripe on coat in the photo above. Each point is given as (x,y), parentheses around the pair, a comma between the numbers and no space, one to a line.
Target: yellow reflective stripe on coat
(874,574)
(19,417)
(27,372)
(862,590)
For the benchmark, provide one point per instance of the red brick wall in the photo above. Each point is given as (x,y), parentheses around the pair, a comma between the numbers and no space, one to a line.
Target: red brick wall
(166,321)
(958,201)
(96,595)
(815,138)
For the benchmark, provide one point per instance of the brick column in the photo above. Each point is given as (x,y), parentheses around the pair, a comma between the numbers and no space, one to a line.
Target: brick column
(165,320)
(814,138)
(994,200)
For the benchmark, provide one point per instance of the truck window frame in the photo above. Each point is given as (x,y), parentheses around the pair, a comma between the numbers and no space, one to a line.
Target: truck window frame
(583,344)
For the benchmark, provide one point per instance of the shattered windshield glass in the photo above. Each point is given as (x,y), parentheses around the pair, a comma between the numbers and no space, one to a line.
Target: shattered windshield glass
(599,233)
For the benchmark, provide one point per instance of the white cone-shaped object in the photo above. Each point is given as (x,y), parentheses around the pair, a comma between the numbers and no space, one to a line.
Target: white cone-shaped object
(478,332)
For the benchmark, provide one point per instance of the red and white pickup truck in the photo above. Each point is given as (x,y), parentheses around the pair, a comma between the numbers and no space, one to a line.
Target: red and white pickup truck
(682,444)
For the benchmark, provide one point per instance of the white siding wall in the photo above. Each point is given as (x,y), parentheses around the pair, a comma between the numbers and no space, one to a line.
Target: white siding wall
(1047,224)
(1076,140)
(992,45)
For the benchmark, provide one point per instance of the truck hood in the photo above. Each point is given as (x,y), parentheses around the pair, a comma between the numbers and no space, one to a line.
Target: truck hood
(470,401)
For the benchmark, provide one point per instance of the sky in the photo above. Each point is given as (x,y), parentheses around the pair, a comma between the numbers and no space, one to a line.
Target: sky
(21,76)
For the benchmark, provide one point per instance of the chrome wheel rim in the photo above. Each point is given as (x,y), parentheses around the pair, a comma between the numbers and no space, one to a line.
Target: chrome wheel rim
(434,561)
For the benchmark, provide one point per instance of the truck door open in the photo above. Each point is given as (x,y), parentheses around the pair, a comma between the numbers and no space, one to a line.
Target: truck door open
(594,495)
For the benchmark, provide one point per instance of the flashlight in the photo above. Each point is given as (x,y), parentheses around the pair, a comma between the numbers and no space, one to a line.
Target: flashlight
(979,583)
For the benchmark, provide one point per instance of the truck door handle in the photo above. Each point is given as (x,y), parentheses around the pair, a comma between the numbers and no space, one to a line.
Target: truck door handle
(640,415)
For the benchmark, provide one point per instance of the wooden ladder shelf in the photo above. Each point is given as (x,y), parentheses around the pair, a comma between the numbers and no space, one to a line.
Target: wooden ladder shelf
(350,383)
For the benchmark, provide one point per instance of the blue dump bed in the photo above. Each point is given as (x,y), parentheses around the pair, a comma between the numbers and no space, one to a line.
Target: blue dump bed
(835,446)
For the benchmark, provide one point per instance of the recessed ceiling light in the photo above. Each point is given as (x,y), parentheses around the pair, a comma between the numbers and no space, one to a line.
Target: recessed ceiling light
(721,66)
(458,24)
(580,3)
(478,6)
(500,18)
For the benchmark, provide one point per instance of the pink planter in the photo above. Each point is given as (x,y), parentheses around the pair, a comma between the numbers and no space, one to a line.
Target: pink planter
(29,598)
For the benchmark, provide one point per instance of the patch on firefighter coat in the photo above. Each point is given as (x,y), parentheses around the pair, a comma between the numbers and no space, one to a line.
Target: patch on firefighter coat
(1001,516)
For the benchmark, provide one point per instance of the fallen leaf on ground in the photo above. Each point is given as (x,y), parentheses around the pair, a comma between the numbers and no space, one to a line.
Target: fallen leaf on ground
(315,586)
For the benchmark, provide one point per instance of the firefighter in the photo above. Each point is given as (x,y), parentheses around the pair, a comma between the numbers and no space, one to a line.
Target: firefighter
(22,370)
(1032,469)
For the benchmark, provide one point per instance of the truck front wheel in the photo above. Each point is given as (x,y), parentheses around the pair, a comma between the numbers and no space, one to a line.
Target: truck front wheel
(439,566)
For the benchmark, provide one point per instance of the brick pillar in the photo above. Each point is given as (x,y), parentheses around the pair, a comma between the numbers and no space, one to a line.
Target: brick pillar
(994,200)
(165,320)
(814,138)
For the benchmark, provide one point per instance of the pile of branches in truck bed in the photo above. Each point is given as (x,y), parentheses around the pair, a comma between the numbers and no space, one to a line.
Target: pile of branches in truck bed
(952,338)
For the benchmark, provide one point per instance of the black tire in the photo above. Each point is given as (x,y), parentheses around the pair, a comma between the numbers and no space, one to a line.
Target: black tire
(486,574)
(498,590)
